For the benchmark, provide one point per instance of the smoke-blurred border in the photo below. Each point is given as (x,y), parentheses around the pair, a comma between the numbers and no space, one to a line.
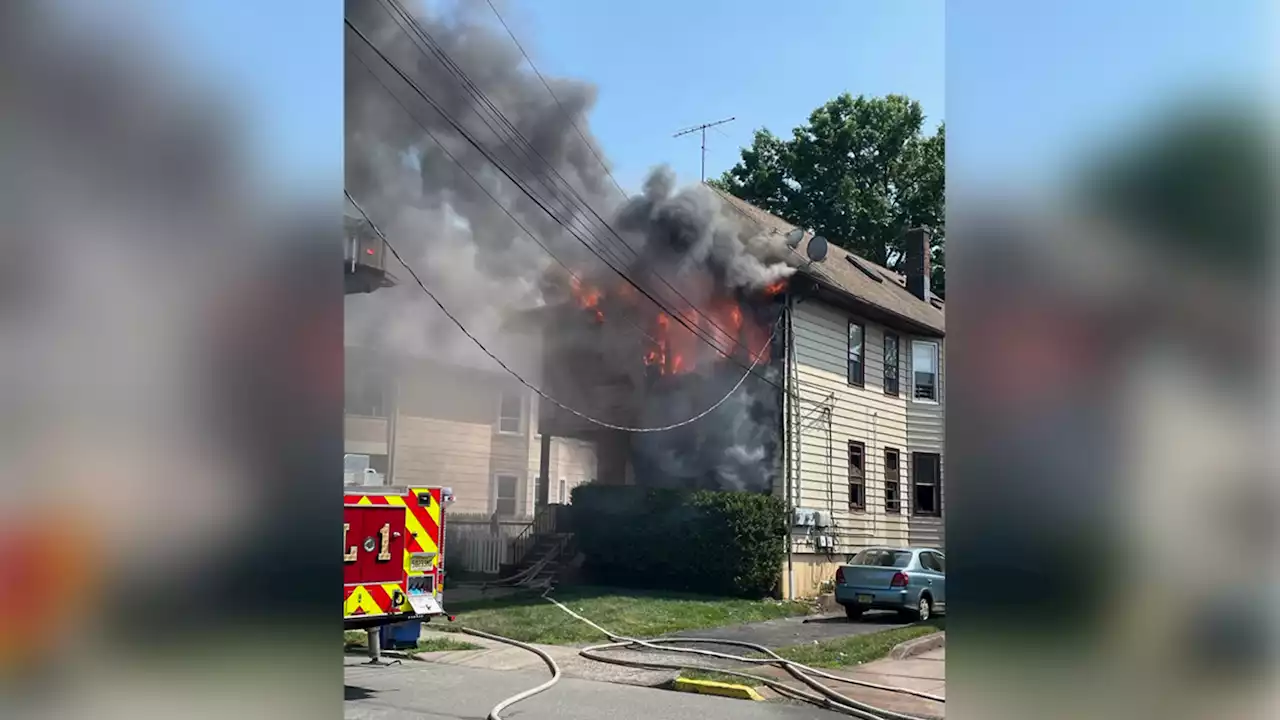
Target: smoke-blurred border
(173,366)
(1112,492)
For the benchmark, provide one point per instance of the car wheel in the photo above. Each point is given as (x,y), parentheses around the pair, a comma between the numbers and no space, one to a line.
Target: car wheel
(924,608)
(853,612)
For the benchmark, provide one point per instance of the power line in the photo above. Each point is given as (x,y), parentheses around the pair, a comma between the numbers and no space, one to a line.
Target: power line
(480,185)
(393,8)
(553,97)
(537,201)
(514,138)
(611,426)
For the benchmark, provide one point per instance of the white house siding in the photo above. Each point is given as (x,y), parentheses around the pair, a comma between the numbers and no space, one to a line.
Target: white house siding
(819,447)
(925,433)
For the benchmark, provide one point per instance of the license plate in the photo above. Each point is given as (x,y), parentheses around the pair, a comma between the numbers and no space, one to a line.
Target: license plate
(865,599)
(421,562)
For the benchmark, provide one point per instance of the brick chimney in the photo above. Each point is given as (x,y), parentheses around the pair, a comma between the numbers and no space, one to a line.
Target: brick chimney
(918,265)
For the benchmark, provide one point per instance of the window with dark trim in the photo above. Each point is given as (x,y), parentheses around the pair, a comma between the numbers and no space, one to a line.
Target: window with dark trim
(857,354)
(890,364)
(926,484)
(857,476)
(892,481)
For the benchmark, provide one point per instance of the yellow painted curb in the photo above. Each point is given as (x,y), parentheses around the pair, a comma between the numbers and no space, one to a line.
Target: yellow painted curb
(710,687)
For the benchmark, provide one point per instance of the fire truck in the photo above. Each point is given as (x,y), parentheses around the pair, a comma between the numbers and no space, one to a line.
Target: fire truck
(392,554)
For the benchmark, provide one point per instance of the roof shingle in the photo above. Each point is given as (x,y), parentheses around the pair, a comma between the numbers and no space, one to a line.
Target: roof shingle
(841,272)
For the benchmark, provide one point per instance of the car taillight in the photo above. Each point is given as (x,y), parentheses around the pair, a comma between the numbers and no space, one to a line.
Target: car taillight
(899,580)
(839,576)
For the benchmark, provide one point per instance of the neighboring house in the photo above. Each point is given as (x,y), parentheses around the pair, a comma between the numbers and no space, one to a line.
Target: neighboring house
(864,431)
(423,422)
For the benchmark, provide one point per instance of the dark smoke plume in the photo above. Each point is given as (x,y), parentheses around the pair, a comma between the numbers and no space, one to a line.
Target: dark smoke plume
(679,245)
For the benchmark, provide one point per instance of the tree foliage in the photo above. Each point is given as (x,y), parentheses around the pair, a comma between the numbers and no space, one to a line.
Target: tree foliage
(859,172)
(1198,184)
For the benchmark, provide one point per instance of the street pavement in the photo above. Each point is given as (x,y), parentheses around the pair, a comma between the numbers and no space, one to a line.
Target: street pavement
(798,630)
(433,691)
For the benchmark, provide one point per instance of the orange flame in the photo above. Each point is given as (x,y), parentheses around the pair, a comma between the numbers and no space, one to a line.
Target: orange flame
(775,288)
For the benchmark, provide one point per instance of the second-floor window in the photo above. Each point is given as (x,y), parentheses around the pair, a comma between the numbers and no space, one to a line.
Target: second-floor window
(510,412)
(926,483)
(365,392)
(857,354)
(892,481)
(857,476)
(891,364)
(924,370)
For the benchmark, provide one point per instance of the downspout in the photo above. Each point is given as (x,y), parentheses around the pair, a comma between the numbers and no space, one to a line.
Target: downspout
(788,360)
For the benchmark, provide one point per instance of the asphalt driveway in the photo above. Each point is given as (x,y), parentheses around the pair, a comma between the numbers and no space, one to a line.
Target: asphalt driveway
(784,632)
(429,691)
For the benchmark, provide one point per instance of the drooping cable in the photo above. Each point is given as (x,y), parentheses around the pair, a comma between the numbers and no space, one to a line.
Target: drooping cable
(595,421)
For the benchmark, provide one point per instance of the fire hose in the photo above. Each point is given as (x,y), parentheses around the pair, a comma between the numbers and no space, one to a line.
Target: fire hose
(823,696)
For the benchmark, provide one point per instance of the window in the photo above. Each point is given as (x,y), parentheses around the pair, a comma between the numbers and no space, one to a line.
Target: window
(857,481)
(892,486)
(890,364)
(924,370)
(564,492)
(365,392)
(926,481)
(510,413)
(504,496)
(857,354)
(933,561)
(881,557)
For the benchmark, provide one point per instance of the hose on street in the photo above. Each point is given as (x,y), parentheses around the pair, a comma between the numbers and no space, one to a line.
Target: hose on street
(801,673)
(496,712)
(822,695)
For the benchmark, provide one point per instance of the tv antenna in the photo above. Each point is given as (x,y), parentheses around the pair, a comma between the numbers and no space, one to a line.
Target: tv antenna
(703,129)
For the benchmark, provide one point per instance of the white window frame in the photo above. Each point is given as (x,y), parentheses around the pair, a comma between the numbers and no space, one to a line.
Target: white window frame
(564,491)
(515,499)
(518,418)
(937,372)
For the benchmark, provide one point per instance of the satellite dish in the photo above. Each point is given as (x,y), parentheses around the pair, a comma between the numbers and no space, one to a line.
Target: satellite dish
(794,237)
(817,249)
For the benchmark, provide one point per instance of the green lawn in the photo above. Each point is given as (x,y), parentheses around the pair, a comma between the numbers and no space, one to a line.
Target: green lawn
(843,652)
(632,613)
(858,649)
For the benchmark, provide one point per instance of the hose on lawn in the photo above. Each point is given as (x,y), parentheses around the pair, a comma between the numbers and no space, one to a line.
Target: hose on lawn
(495,713)
(799,671)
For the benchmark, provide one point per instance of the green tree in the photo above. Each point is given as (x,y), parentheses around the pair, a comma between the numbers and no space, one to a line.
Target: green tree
(860,172)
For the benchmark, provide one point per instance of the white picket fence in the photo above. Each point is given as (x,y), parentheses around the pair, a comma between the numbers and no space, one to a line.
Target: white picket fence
(474,548)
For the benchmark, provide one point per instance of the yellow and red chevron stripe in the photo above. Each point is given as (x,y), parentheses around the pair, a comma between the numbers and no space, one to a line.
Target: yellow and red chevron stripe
(423,523)
(376,599)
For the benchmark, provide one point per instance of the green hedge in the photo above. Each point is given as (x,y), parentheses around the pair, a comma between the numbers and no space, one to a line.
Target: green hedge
(722,543)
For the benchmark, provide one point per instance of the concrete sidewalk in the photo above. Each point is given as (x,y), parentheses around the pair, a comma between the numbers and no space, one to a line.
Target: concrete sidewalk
(924,673)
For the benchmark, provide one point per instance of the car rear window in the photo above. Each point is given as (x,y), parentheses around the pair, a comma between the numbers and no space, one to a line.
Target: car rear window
(883,558)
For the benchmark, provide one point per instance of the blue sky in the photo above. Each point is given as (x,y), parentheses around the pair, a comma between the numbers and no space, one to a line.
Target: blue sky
(664,65)
(1024,86)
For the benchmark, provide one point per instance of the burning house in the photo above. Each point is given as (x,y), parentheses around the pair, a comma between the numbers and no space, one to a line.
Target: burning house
(827,374)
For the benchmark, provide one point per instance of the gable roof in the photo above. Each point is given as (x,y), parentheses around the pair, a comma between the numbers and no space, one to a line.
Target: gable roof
(851,275)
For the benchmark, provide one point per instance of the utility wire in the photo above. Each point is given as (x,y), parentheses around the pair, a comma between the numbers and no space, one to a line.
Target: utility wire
(443,57)
(678,317)
(530,385)
(514,140)
(553,97)
(444,149)
(509,176)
